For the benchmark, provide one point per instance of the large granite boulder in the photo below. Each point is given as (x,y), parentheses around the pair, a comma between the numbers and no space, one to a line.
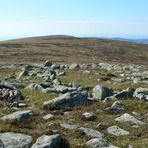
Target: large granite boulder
(70,99)
(100,92)
(15,140)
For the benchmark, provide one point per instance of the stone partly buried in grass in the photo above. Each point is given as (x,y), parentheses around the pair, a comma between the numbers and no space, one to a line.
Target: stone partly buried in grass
(71,99)
(19,115)
(127,117)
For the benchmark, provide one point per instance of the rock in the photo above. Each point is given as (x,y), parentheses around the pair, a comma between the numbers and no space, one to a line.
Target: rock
(15,104)
(61,73)
(100,92)
(67,126)
(135,113)
(99,143)
(45,84)
(72,66)
(141,93)
(116,106)
(69,99)
(127,117)
(115,130)
(48,63)
(89,116)
(23,73)
(18,85)
(49,90)
(92,133)
(49,117)
(15,140)
(19,115)
(125,94)
(34,86)
(48,141)
(22,105)
(63,89)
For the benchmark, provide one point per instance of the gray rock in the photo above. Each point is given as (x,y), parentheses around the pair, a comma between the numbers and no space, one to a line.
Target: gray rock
(48,63)
(23,73)
(19,115)
(63,89)
(115,130)
(69,99)
(127,117)
(125,94)
(92,133)
(100,92)
(49,117)
(18,85)
(117,105)
(67,126)
(14,104)
(48,141)
(74,66)
(34,86)
(141,93)
(99,143)
(61,73)
(89,116)
(49,90)
(15,140)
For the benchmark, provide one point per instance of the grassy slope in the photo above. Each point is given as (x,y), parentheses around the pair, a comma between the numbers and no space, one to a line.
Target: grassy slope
(35,50)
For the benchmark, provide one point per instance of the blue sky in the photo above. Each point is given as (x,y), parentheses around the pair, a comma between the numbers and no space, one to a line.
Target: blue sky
(102,18)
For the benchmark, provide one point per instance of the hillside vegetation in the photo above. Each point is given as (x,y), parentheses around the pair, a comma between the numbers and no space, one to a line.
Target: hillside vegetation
(70,49)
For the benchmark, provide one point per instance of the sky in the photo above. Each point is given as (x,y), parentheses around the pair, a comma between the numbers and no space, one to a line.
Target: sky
(83,18)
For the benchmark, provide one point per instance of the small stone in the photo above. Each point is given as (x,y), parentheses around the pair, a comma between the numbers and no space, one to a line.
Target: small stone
(48,117)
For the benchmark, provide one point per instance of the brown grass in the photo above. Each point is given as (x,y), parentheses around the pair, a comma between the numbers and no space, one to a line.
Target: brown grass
(79,50)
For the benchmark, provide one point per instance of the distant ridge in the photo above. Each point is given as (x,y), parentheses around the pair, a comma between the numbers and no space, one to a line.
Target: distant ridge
(65,49)
(143,41)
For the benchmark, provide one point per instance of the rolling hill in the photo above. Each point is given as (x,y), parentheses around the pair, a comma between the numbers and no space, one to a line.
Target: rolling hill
(61,48)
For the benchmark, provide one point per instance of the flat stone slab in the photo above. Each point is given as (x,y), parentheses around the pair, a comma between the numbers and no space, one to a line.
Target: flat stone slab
(67,126)
(117,131)
(19,115)
(15,140)
(127,117)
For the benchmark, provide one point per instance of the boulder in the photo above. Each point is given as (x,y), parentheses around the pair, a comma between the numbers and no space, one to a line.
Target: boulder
(15,140)
(99,143)
(125,94)
(47,141)
(92,133)
(127,117)
(89,116)
(100,92)
(18,115)
(69,99)
(49,117)
(117,131)
(117,105)
(141,93)
(34,86)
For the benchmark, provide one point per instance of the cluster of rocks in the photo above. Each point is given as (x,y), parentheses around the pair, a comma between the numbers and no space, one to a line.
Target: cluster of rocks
(69,95)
